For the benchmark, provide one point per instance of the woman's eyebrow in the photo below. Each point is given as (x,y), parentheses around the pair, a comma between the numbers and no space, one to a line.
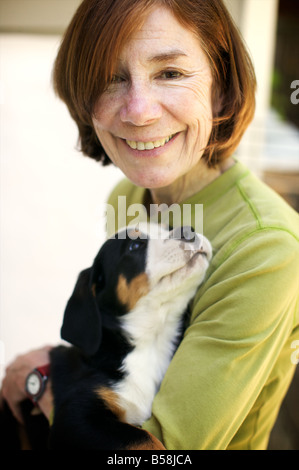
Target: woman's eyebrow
(166,56)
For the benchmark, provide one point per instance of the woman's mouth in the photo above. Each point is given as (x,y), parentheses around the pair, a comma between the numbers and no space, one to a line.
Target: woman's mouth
(135,145)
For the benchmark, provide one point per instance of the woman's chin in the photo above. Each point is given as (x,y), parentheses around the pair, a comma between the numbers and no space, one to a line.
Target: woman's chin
(152,180)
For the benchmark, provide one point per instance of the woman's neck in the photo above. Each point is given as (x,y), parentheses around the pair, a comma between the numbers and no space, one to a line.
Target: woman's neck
(189,184)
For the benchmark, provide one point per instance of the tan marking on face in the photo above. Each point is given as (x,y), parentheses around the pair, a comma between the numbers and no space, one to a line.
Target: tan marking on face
(134,233)
(129,294)
(93,290)
(110,399)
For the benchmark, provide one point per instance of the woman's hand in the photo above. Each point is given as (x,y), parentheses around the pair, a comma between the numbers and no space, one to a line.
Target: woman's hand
(13,385)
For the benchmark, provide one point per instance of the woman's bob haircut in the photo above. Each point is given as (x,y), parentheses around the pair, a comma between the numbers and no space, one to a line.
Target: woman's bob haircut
(92,44)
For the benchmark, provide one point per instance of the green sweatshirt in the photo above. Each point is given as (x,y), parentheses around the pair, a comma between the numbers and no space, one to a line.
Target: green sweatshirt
(226,382)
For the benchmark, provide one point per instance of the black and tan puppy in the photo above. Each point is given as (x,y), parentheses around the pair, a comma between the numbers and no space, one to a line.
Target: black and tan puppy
(124,321)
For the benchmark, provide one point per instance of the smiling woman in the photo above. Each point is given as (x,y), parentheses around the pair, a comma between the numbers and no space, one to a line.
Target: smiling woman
(111,25)
(159,110)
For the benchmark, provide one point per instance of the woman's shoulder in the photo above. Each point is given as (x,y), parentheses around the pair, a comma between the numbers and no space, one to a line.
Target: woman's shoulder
(269,209)
(248,212)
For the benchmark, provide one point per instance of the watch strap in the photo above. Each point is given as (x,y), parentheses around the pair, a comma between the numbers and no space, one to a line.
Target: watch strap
(44,370)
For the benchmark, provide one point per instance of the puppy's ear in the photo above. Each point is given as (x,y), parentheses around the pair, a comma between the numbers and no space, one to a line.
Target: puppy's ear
(82,324)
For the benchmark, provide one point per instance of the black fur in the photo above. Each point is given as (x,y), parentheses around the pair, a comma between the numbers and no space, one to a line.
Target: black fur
(82,420)
(91,324)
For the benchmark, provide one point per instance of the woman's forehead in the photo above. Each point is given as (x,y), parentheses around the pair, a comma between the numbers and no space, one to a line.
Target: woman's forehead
(161,38)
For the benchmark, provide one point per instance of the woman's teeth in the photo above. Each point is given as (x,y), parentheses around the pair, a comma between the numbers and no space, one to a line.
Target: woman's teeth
(148,145)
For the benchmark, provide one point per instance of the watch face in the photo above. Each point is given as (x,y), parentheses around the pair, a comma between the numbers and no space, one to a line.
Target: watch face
(33,384)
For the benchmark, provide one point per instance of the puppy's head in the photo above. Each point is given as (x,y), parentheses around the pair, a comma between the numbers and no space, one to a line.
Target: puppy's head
(136,264)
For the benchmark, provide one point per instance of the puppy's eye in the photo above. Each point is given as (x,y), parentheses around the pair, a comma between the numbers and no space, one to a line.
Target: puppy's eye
(136,245)
(99,282)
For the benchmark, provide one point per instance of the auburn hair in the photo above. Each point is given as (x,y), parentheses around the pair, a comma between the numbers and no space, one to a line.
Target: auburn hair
(92,44)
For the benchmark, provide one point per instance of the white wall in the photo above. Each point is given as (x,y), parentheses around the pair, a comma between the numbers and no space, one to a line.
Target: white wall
(51,197)
(36,16)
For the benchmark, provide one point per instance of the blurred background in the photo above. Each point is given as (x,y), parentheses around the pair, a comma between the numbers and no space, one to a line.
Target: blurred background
(51,198)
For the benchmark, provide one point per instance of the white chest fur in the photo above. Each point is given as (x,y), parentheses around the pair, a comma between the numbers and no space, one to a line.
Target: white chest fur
(153,335)
(174,270)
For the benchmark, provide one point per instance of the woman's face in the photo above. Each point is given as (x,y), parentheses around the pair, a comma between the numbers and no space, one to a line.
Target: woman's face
(155,119)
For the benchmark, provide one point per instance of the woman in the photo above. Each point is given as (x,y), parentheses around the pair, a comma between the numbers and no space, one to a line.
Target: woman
(165,90)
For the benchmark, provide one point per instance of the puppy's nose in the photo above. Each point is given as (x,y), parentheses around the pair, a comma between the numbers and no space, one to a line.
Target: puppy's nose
(186,233)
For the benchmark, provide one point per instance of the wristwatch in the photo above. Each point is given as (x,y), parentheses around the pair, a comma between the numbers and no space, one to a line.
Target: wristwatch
(36,382)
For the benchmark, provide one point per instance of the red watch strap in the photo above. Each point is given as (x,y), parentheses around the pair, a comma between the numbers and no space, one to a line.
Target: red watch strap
(44,370)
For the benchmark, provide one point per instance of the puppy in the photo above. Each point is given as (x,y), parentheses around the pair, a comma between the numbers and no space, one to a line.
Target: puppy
(124,321)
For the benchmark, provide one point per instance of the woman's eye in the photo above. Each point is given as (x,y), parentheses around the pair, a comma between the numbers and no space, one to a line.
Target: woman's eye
(116,79)
(170,74)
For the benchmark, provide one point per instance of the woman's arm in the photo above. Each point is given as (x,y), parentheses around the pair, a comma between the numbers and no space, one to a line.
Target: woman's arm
(226,381)
(13,385)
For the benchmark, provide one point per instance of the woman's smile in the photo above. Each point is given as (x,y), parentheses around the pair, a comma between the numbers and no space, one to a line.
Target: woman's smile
(153,143)
(149,148)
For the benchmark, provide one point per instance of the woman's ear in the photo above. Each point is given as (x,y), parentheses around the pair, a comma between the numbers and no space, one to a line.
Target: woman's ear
(82,325)
(217,102)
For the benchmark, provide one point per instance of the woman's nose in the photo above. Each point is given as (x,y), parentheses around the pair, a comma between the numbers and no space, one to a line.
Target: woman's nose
(141,106)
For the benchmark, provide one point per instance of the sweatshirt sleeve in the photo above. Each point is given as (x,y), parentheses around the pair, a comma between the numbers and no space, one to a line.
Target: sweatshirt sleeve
(242,317)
